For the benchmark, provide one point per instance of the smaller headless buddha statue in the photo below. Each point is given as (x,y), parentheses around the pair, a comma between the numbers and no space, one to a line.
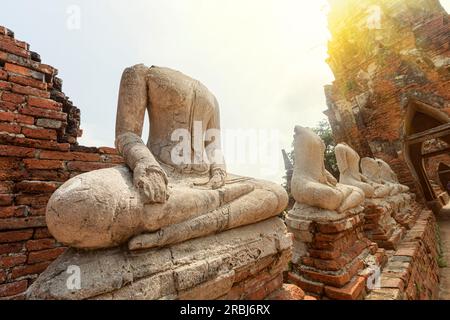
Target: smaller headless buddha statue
(348,163)
(311,183)
(389,177)
(371,171)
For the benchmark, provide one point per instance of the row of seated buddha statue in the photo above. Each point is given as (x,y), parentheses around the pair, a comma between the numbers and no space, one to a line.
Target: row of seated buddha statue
(312,184)
(387,201)
(172,223)
(341,228)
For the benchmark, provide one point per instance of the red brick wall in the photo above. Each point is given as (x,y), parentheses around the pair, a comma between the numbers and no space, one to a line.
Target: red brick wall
(379,71)
(39,127)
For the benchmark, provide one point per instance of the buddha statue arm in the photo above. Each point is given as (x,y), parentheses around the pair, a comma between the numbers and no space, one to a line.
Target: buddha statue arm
(330,178)
(364,178)
(148,176)
(214,150)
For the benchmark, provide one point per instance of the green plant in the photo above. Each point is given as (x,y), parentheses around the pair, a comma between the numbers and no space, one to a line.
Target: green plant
(441,262)
(323,130)
(290,266)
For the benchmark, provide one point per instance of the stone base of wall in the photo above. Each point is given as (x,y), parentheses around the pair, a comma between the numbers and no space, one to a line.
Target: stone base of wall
(242,263)
(412,272)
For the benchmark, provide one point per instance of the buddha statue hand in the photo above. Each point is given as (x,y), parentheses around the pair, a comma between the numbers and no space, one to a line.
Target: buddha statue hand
(151,181)
(218,176)
(148,176)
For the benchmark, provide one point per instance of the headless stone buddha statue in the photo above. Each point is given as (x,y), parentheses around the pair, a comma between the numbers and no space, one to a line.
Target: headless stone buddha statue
(348,164)
(371,171)
(389,177)
(173,188)
(311,183)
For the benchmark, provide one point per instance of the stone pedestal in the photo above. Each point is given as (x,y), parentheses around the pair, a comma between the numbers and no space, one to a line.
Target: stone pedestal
(332,259)
(242,263)
(387,219)
(379,224)
(405,209)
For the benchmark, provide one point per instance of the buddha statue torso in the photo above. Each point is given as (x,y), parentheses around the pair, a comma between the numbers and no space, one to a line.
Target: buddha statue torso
(179,108)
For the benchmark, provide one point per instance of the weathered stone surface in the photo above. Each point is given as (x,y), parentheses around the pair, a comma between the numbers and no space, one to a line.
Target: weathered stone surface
(200,268)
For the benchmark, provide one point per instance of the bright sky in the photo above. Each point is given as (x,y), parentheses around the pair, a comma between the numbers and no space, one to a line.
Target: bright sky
(263,59)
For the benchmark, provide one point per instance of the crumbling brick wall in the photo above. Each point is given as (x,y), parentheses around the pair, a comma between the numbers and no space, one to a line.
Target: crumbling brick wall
(39,127)
(385,54)
(412,272)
